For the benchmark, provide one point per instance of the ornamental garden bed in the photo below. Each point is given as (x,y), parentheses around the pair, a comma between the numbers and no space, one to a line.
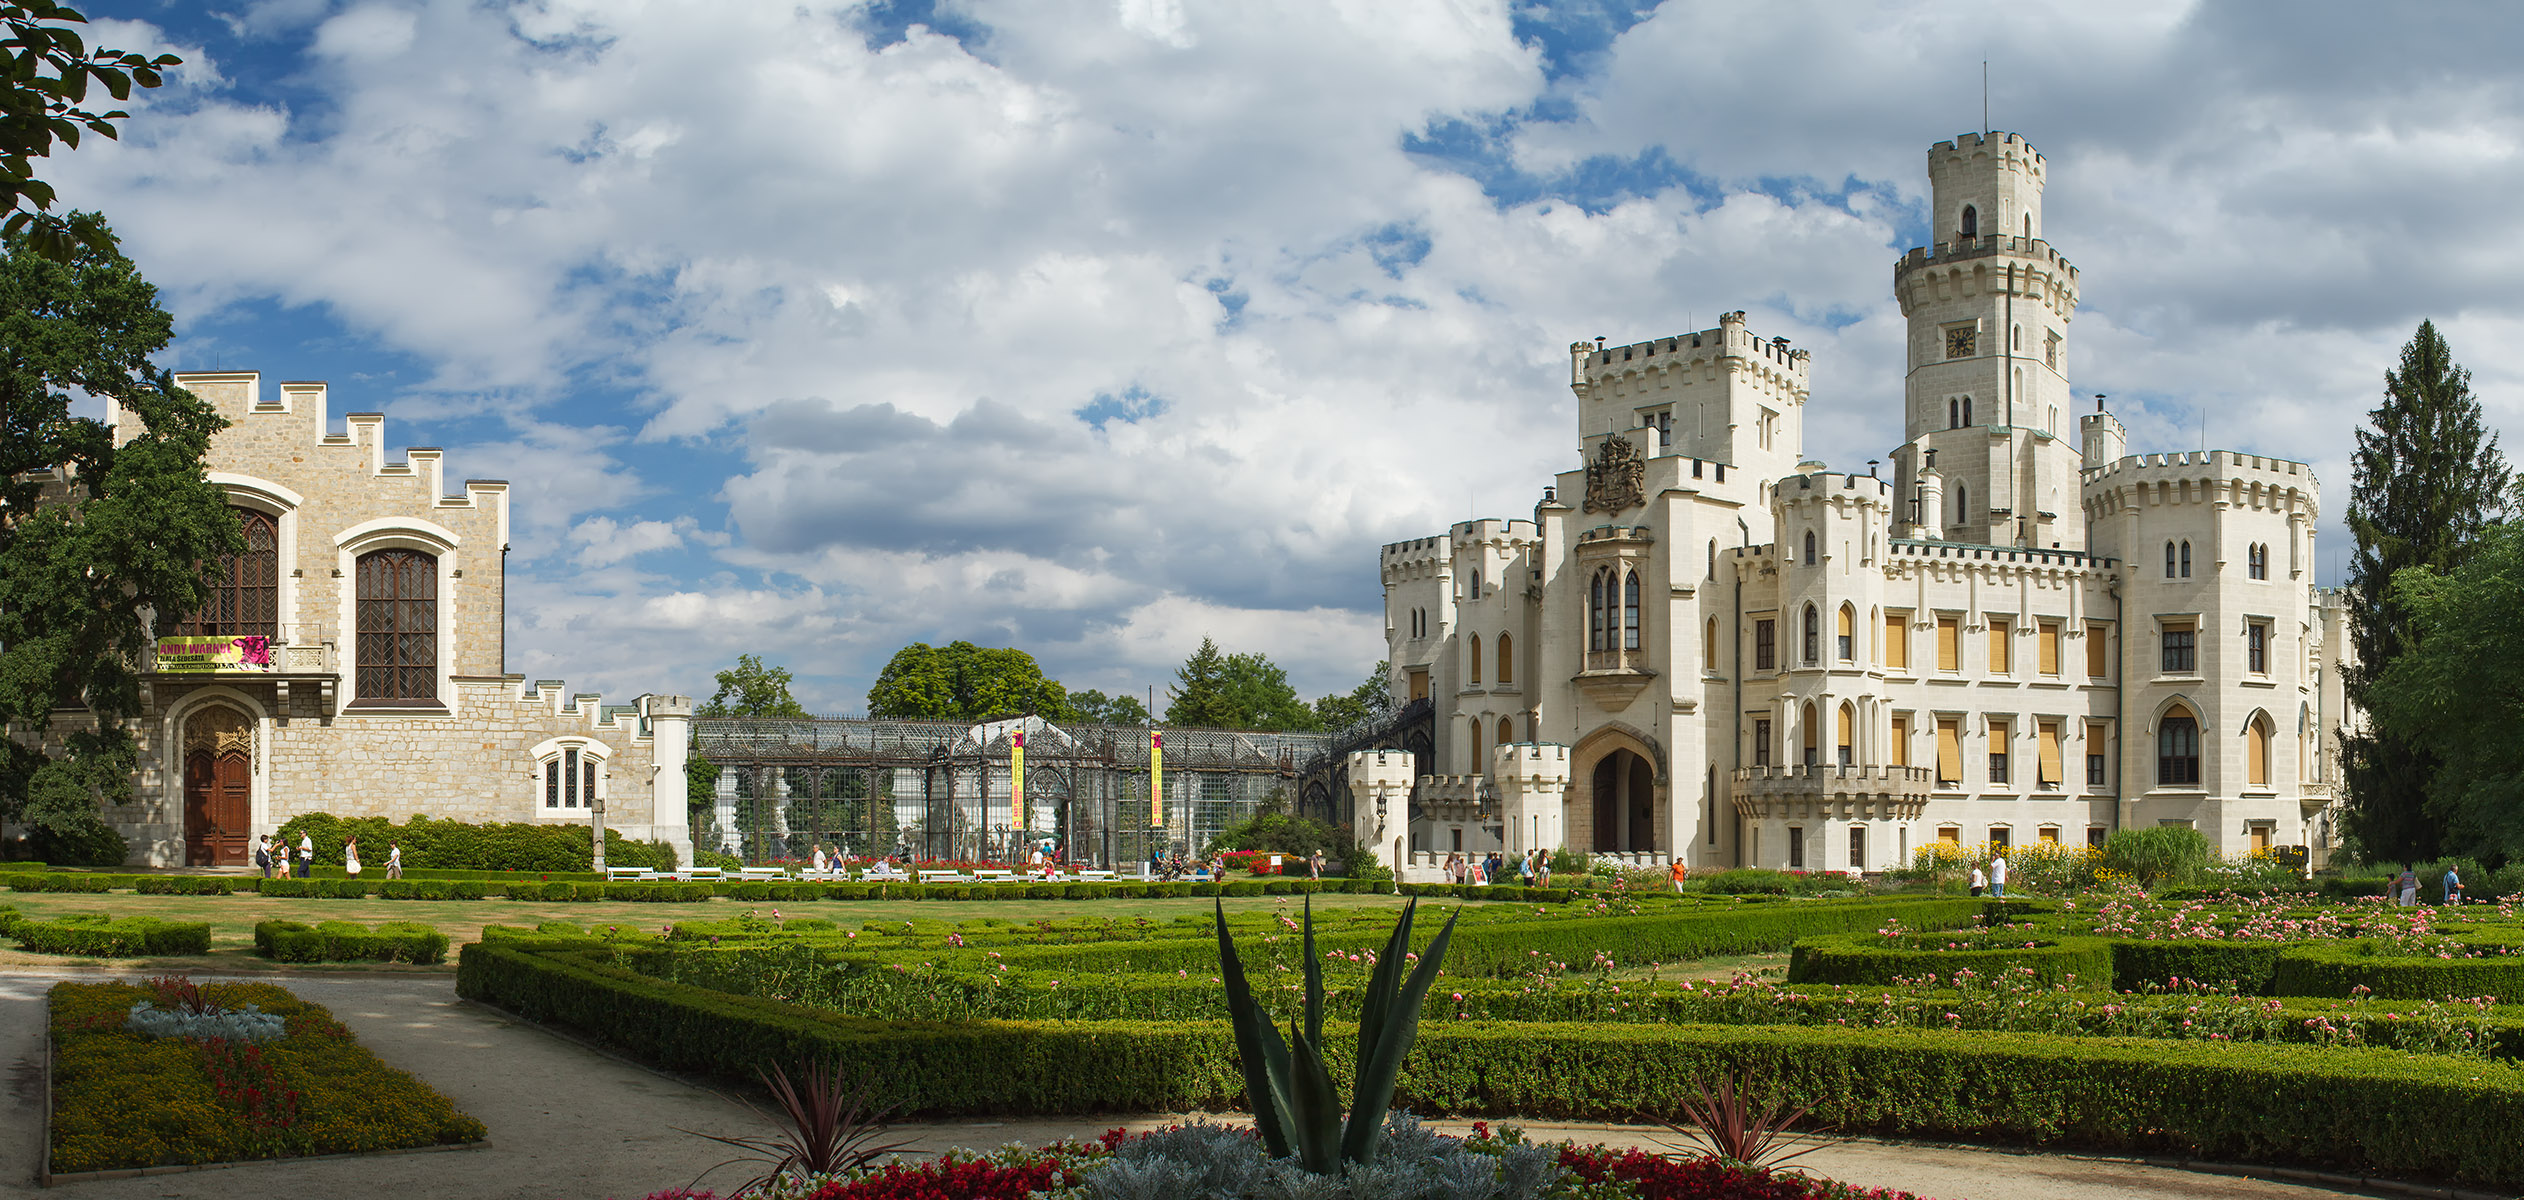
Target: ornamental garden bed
(222,1072)
(100,935)
(1545,1013)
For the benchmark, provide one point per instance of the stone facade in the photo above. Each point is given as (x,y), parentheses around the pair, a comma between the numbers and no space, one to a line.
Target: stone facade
(371,678)
(1723,652)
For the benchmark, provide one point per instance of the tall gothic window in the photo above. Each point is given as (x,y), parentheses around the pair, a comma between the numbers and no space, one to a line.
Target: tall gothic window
(1630,612)
(2178,749)
(1971,221)
(1809,547)
(1595,639)
(2169,571)
(2186,560)
(1813,636)
(244,599)
(398,625)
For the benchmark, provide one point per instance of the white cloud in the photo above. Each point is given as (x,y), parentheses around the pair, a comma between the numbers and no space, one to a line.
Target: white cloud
(780,333)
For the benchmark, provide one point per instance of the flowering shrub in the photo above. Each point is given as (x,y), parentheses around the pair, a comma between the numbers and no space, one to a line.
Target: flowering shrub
(124,1100)
(1203,1162)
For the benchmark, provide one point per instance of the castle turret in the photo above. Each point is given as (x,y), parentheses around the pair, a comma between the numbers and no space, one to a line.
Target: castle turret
(1989,303)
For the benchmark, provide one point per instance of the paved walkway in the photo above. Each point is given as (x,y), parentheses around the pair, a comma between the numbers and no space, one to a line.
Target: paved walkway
(571,1123)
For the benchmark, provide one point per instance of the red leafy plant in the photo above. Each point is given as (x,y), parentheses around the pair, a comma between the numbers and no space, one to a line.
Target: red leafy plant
(1722,1120)
(825,1127)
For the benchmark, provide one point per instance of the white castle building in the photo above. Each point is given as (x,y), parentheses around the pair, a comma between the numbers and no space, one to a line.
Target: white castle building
(1704,646)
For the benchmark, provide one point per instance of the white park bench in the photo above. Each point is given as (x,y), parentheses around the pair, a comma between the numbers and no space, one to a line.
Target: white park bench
(761,874)
(631,875)
(701,874)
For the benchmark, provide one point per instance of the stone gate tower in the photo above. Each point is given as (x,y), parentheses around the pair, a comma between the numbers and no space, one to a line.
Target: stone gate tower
(1988,455)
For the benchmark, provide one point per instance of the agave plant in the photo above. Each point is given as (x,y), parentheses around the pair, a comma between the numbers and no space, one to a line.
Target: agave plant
(1723,1120)
(1296,1107)
(826,1126)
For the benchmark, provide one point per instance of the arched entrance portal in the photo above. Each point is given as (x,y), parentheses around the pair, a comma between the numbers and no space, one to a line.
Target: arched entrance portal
(218,786)
(1625,803)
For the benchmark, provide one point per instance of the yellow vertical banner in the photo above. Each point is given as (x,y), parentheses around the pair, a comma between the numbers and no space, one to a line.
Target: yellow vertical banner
(1016,782)
(1156,779)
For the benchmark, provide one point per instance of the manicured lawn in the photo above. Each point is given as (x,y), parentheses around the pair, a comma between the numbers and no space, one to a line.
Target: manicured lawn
(232,918)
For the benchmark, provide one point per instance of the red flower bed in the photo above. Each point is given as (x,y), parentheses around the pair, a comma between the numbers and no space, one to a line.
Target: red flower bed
(1657,1178)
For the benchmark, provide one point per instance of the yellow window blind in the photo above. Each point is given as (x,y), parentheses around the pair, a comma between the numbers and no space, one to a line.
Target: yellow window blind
(1897,643)
(1949,750)
(1998,664)
(1901,739)
(2050,752)
(2050,647)
(1949,644)
(2098,656)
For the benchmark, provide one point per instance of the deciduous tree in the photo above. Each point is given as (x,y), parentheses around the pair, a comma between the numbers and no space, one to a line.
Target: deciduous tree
(964,682)
(2452,693)
(105,531)
(1092,707)
(2425,482)
(46,69)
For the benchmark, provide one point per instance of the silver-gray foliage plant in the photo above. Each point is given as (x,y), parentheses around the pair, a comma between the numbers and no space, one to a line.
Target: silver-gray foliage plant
(247,1024)
(1213,1162)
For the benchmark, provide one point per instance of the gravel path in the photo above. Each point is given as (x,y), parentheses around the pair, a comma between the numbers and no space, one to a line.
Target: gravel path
(570,1123)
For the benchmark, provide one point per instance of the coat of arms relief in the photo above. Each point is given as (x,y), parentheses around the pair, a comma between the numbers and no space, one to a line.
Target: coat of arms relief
(1616,478)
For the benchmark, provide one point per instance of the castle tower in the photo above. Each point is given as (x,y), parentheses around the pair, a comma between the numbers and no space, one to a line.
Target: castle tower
(1989,303)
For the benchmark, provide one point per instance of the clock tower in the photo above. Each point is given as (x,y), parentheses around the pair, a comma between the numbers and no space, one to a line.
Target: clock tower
(1988,454)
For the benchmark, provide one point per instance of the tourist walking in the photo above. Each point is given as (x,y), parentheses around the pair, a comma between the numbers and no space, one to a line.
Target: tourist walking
(306,855)
(1980,882)
(350,857)
(1680,871)
(263,854)
(1542,868)
(817,861)
(1314,864)
(2453,886)
(1998,876)
(2409,886)
(394,860)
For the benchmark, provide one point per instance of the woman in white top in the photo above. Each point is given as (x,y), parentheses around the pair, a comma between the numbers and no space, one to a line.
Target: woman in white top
(350,858)
(394,860)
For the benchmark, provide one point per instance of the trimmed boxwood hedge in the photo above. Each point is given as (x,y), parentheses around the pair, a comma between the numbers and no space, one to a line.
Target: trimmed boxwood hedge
(2339,969)
(94,935)
(345,941)
(183,885)
(2262,1103)
(1874,961)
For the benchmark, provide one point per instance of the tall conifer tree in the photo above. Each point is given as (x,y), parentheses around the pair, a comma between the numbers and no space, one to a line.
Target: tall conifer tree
(2426,480)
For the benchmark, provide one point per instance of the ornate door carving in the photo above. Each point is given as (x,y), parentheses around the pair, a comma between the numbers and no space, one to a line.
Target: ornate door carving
(218,787)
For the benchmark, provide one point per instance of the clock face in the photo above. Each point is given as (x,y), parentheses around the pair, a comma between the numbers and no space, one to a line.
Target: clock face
(1959,342)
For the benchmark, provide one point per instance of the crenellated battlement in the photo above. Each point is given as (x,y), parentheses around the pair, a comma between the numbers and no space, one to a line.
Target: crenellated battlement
(1709,347)
(2218,477)
(2010,149)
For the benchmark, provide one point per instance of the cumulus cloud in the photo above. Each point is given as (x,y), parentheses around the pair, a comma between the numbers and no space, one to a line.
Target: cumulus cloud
(1096,327)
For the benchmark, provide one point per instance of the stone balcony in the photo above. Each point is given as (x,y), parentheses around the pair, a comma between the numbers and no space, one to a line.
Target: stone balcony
(1854,793)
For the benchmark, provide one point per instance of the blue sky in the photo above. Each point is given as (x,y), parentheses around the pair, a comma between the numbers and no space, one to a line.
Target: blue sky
(813,329)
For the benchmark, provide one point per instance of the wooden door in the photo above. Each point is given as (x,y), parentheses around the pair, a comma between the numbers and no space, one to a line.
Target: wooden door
(218,806)
(201,785)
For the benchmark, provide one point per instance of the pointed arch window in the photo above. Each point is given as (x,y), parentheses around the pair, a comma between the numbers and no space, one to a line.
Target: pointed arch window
(1967,410)
(1507,660)
(1809,547)
(1847,642)
(2257,753)
(2169,568)
(1954,414)
(1475,658)
(244,596)
(1813,636)
(2186,560)
(397,613)
(1709,646)
(2178,749)
(1962,506)
(1847,743)
(1971,226)
(1630,612)
(1595,629)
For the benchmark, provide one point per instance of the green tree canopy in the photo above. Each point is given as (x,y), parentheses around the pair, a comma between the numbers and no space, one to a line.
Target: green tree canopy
(1092,707)
(2454,693)
(1217,690)
(750,689)
(46,69)
(98,541)
(2426,480)
(1373,697)
(964,682)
